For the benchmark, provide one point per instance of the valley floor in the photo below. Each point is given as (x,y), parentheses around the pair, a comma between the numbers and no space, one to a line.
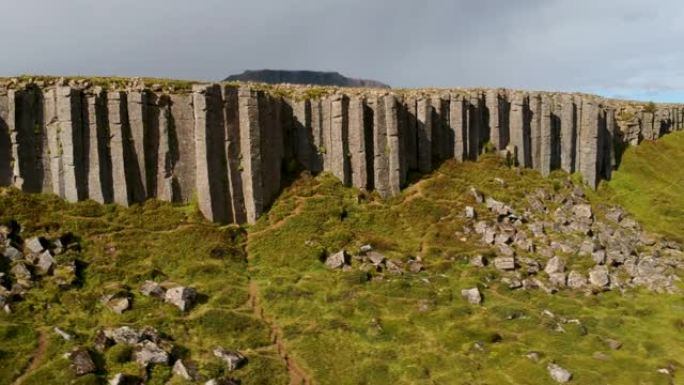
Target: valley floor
(266,291)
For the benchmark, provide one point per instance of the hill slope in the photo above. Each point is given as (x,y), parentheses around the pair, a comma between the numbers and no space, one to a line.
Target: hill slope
(304,77)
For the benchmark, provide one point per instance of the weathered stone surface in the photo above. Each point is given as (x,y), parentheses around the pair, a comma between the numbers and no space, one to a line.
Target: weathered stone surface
(186,370)
(520,129)
(360,149)
(150,353)
(27,130)
(475,124)
(232,150)
(548,136)
(535,111)
(212,174)
(182,137)
(5,142)
(589,142)
(81,362)
(472,295)
(555,265)
(458,122)
(424,130)
(119,147)
(181,297)
(233,359)
(504,263)
(152,289)
(250,148)
(337,260)
(339,139)
(394,145)
(558,374)
(136,106)
(599,276)
(380,147)
(98,159)
(568,132)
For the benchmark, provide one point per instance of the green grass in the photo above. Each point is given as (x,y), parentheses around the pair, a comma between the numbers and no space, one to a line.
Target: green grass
(649,183)
(344,329)
(123,247)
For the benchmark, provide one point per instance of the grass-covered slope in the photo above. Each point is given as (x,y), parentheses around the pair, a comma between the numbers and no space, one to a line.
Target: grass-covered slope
(650,184)
(415,328)
(123,247)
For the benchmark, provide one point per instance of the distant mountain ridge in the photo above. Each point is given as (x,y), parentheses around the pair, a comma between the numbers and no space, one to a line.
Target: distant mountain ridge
(305,77)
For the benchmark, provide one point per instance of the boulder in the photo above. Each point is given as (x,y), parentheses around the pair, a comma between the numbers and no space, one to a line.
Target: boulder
(81,362)
(222,381)
(576,280)
(506,250)
(470,212)
(12,253)
(35,245)
(21,272)
(558,279)
(233,359)
(582,211)
(124,379)
(45,262)
(186,370)
(375,258)
(599,276)
(599,257)
(123,335)
(337,260)
(182,297)
(554,265)
(150,353)
(504,263)
(558,374)
(472,295)
(118,303)
(66,336)
(152,289)
(66,274)
(365,248)
(613,344)
(479,197)
(477,261)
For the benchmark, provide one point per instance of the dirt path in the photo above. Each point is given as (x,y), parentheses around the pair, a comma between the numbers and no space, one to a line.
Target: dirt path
(36,359)
(297,375)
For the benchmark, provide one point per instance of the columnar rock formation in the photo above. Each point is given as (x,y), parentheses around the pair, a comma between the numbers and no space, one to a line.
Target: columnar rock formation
(227,145)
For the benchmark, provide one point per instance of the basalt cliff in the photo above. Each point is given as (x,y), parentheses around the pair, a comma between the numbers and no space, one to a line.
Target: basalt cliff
(228,145)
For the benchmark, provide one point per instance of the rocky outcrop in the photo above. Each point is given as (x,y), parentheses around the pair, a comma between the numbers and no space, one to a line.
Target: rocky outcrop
(227,145)
(304,77)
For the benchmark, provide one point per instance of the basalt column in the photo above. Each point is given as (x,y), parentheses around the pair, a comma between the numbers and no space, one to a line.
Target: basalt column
(250,148)
(27,133)
(475,124)
(272,145)
(360,157)
(339,139)
(73,181)
(497,138)
(536,130)
(5,143)
(232,148)
(380,147)
(647,125)
(441,135)
(394,146)
(119,143)
(136,107)
(411,132)
(608,141)
(424,130)
(520,129)
(589,142)
(181,138)
(568,134)
(211,183)
(305,149)
(98,160)
(458,124)
(166,185)
(546,140)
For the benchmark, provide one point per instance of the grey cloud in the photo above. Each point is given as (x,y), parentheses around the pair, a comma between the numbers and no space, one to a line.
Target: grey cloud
(611,46)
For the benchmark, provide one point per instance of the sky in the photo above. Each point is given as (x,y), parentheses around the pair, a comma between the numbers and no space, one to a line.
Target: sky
(618,48)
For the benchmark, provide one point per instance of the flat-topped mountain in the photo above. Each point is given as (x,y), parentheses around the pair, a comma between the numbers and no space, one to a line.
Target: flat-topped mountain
(304,77)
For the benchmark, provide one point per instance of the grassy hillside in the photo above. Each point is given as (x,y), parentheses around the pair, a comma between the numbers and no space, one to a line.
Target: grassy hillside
(650,183)
(416,328)
(123,247)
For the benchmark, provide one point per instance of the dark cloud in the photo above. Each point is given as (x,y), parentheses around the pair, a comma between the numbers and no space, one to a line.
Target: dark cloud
(615,47)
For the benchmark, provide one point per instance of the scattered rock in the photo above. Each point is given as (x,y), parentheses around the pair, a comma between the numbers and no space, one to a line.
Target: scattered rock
(12,253)
(599,276)
(555,265)
(118,303)
(613,344)
(479,197)
(152,289)
(582,211)
(81,362)
(150,353)
(35,245)
(180,296)
(186,370)
(233,359)
(123,335)
(504,263)
(124,379)
(337,260)
(472,295)
(365,248)
(558,374)
(45,262)
(534,356)
(470,212)
(478,261)
(576,280)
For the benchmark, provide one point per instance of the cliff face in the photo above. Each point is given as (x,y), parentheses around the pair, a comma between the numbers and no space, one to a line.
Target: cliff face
(228,144)
(304,77)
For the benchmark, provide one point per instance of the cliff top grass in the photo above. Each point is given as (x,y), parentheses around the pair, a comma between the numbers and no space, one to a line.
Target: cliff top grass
(295,91)
(415,328)
(123,247)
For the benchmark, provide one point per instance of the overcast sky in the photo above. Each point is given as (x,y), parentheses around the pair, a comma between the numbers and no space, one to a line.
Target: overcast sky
(625,48)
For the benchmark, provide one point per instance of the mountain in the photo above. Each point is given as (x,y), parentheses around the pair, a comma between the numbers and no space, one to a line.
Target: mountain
(305,77)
